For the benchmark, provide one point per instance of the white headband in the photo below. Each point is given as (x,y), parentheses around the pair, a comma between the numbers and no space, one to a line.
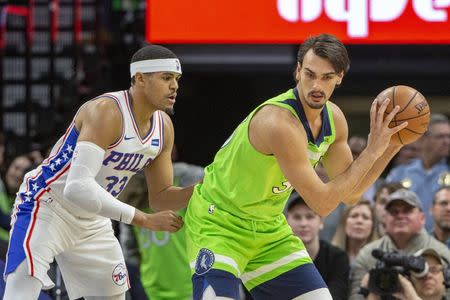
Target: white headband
(155,65)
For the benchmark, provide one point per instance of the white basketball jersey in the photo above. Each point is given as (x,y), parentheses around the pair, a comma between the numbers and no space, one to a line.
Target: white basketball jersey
(122,160)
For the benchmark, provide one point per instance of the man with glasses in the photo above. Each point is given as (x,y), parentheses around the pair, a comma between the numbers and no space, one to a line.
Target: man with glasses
(426,174)
(429,287)
(405,233)
(433,285)
(440,211)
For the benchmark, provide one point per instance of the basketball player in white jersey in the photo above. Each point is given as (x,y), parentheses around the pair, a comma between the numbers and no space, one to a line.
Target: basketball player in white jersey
(63,208)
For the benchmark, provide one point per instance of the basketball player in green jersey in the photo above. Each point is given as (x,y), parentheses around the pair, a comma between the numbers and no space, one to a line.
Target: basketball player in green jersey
(235,225)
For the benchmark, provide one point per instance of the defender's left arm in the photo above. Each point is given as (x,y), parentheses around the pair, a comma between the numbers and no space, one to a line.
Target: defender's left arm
(162,195)
(339,157)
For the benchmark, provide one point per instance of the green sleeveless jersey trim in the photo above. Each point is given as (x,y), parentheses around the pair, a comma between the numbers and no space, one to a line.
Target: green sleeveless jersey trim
(249,184)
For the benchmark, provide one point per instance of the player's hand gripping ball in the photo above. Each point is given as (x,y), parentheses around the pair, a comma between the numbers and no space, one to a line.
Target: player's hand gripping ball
(414,109)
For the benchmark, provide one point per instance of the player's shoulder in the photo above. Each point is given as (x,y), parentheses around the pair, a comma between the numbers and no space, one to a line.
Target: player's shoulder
(167,121)
(274,115)
(337,111)
(275,121)
(338,116)
(101,109)
(101,104)
(167,126)
(165,116)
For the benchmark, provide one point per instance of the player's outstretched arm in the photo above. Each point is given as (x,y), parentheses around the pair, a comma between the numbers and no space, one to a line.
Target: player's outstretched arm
(159,177)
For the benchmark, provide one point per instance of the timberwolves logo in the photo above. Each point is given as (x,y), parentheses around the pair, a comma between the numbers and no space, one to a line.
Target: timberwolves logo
(204,262)
(119,275)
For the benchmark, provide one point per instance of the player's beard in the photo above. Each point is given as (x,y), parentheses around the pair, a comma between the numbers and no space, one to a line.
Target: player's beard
(170,111)
(315,105)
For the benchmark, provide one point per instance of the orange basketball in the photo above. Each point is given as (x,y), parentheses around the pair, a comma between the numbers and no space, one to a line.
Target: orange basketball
(414,108)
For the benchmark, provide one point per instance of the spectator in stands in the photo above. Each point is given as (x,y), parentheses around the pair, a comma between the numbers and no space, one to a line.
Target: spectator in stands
(15,172)
(440,211)
(432,286)
(2,156)
(380,199)
(12,179)
(36,154)
(356,228)
(405,232)
(357,144)
(2,162)
(426,174)
(332,262)
(408,153)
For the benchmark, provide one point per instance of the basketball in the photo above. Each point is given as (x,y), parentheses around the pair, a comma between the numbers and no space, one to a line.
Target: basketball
(414,108)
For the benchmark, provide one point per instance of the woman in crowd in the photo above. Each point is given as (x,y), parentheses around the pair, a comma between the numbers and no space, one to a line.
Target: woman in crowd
(356,229)
(12,180)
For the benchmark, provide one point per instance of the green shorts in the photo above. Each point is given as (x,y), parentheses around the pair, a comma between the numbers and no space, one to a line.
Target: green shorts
(255,251)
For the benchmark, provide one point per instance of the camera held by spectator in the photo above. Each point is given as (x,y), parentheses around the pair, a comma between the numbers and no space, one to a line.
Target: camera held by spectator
(384,279)
(399,279)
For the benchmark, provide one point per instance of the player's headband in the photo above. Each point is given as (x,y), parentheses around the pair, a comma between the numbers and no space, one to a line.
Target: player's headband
(155,65)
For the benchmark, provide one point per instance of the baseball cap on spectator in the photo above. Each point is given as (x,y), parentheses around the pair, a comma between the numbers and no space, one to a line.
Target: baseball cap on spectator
(406,196)
(433,253)
(430,252)
(294,199)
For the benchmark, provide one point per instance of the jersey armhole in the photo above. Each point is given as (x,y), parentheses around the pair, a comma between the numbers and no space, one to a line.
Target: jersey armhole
(116,100)
(250,117)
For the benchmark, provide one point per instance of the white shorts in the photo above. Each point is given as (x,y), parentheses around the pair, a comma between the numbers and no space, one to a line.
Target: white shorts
(86,250)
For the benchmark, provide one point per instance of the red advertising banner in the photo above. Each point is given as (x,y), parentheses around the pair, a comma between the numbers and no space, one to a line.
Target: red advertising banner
(291,21)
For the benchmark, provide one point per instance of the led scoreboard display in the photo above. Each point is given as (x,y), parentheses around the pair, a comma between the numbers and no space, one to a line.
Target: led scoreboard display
(291,21)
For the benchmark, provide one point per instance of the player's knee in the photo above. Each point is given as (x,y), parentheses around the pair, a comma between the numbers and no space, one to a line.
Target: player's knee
(210,294)
(114,297)
(20,285)
(323,294)
(215,285)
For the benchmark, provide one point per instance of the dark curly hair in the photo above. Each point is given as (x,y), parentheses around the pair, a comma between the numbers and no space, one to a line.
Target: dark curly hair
(329,47)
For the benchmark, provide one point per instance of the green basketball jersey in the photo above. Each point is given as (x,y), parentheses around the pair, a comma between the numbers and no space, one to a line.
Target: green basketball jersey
(250,184)
(165,264)
(6,205)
